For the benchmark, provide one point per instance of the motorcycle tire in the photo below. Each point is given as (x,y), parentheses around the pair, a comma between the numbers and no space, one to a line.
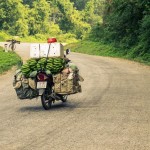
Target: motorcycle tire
(46,102)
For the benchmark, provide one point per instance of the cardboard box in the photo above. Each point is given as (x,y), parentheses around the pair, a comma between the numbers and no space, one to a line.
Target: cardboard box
(34,51)
(51,50)
(56,50)
(46,49)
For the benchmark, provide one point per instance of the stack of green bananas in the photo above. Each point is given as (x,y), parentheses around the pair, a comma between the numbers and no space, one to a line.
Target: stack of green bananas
(54,65)
(32,64)
(29,67)
(26,70)
(49,65)
(41,64)
(58,65)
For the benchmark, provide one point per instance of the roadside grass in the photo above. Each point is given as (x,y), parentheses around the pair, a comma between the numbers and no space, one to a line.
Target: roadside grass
(94,48)
(101,49)
(7,60)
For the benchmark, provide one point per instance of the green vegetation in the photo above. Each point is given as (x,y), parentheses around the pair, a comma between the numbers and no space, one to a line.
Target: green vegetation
(123,24)
(102,49)
(93,48)
(4,36)
(7,60)
(65,38)
(126,26)
(45,18)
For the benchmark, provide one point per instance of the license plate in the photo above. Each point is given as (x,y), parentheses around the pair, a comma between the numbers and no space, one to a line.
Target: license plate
(41,85)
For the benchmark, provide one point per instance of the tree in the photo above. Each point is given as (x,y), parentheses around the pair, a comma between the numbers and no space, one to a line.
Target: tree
(122,20)
(143,47)
(72,19)
(80,4)
(39,17)
(93,11)
(13,17)
(28,2)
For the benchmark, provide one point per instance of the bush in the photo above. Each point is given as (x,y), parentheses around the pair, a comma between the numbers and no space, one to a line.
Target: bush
(102,49)
(144,39)
(7,60)
(4,36)
(94,48)
(67,38)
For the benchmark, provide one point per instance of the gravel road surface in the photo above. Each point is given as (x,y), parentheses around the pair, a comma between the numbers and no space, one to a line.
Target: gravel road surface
(112,112)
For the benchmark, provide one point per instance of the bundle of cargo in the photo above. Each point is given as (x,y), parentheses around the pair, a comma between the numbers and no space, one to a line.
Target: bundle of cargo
(67,81)
(25,87)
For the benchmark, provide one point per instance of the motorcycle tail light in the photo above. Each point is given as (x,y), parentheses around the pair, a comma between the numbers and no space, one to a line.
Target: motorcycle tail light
(41,77)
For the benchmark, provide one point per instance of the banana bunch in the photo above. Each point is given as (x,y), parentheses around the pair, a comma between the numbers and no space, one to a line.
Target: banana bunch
(26,70)
(49,65)
(29,67)
(41,64)
(32,64)
(58,64)
(54,65)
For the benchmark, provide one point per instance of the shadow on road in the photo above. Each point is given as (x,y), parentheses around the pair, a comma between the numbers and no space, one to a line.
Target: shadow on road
(68,106)
(31,108)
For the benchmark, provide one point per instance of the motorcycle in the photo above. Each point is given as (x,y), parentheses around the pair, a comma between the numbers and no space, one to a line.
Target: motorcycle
(45,87)
(39,83)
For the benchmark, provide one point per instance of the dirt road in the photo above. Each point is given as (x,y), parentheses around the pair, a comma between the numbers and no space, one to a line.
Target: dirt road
(112,112)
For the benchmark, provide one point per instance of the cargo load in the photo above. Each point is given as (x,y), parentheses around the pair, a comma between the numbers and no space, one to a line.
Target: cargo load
(25,87)
(46,50)
(66,83)
(65,77)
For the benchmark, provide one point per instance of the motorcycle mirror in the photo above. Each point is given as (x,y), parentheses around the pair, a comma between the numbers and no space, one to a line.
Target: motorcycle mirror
(67,51)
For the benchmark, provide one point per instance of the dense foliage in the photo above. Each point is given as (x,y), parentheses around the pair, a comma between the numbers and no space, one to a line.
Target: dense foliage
(28,18)
(127,25)
(123,23)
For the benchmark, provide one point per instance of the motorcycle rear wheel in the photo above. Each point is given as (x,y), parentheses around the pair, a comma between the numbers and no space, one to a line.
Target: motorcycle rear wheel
(46,101)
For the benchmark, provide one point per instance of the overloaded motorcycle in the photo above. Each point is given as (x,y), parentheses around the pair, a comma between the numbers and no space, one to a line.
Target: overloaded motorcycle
(52,78)
(43,83)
